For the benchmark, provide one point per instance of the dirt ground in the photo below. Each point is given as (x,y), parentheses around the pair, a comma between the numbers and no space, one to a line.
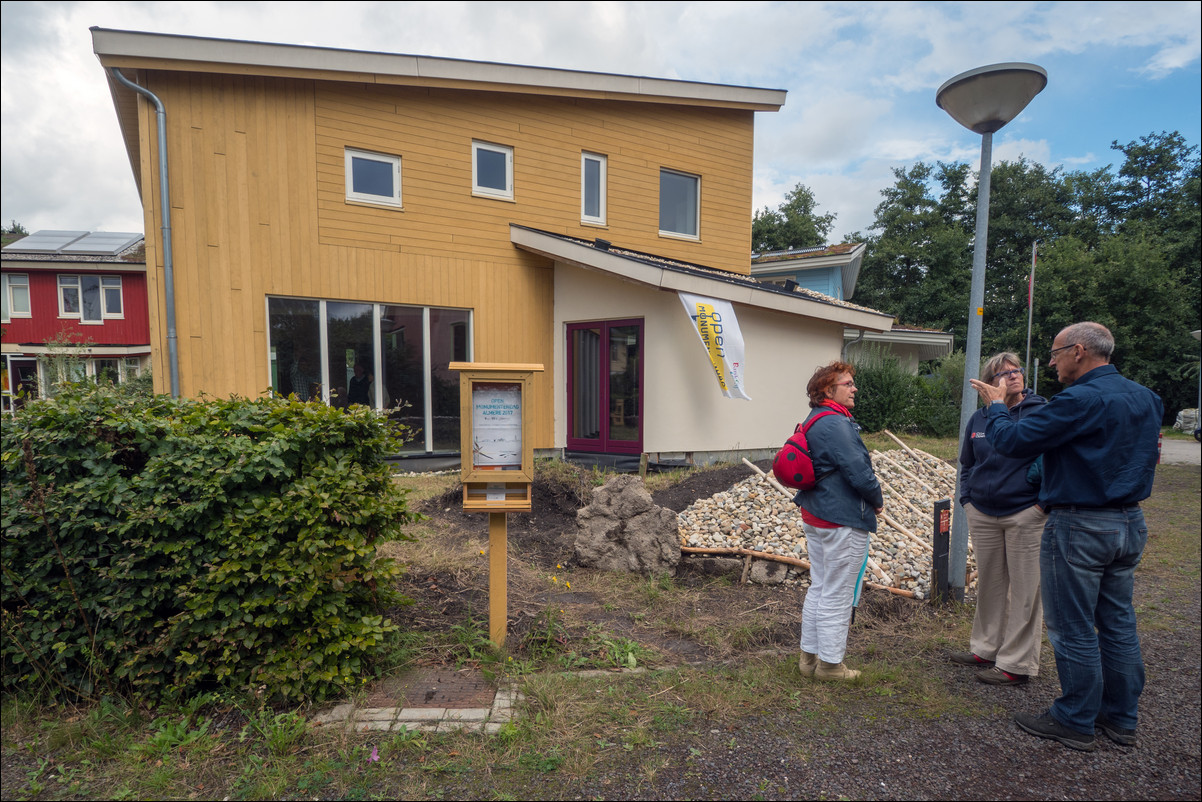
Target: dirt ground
(871,754)
(541,543)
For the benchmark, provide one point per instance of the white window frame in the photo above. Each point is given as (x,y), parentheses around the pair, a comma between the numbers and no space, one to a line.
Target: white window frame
(368,197)
(696,209)
(493,192)
(603,161)
(13,281)
(73,281)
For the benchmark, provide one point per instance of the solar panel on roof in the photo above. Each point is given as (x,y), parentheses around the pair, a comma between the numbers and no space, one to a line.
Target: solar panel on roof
(102,243)
(44,242)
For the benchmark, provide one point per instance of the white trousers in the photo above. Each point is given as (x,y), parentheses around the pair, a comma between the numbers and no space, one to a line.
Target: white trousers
(838,558)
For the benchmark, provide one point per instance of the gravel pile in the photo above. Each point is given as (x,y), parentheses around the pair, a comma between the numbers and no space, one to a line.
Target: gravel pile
(756,514)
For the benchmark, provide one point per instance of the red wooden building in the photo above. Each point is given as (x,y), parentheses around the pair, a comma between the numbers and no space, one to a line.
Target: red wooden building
(74,307)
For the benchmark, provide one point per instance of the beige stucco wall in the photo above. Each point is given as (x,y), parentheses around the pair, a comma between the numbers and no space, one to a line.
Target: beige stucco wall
(683,408)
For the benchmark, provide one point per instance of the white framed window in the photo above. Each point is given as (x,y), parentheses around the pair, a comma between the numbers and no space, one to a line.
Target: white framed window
(592,187)
(15,296)
(679,203)
(90,299)
(373,177)
(492,170)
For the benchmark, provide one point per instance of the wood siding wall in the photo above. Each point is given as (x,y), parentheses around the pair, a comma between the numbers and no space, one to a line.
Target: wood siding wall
(259,209)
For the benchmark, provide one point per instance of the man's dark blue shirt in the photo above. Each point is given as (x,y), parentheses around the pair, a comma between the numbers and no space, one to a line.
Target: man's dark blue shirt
(1087,462)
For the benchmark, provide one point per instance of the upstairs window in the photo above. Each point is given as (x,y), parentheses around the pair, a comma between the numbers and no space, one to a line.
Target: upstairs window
(90,299)
(14,296)
(492,170)
(373,177)
(592,188)
(679,203)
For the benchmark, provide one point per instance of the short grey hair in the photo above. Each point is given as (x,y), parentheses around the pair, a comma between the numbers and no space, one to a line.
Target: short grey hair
(1093,337)
(996,361)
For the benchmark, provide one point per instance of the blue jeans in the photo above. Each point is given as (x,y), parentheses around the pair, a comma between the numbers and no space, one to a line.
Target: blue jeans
(1087,562)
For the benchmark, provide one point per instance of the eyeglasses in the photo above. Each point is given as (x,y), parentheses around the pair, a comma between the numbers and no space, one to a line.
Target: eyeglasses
(1008,373)
(1061,348)
(845,384)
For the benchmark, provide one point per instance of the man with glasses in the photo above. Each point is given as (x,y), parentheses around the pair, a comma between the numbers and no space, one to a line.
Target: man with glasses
(1099,444)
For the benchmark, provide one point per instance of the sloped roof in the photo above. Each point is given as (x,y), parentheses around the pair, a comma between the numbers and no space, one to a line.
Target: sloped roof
(847,256)
(56,248)
(674,275)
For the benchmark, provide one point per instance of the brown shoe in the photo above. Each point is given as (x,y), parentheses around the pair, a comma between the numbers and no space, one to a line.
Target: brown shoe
(808,663)
(995,676)
(835,672)
(969,659)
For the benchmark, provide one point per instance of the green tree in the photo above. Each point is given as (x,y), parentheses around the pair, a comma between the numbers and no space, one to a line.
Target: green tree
(794,224)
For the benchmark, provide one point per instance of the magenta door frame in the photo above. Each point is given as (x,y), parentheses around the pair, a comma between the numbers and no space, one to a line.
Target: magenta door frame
(603,444)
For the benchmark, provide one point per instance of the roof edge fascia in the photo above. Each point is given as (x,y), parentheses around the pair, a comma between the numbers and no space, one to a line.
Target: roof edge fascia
(589,258)
(193,53)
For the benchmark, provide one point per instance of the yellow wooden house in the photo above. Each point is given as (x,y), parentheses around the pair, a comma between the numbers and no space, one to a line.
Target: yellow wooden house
(342,225)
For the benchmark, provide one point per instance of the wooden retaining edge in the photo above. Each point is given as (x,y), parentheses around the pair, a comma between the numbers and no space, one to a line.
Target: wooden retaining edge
(771,479)
(900,497)
(885,517)
(909,450)
(909,594)
(872,564)
(904,470)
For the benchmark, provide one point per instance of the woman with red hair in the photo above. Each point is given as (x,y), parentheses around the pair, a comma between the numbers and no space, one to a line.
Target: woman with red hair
(837,515)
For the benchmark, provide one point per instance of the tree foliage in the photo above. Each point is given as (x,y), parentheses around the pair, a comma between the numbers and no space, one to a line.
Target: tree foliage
(1119,248)
(794,224)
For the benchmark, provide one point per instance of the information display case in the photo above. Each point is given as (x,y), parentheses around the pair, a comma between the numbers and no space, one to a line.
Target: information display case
(497,453)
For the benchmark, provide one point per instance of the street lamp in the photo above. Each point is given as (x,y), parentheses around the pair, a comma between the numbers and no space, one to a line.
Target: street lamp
(983,101)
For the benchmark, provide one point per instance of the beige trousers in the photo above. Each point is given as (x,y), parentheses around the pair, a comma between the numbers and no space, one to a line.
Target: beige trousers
(1008,625)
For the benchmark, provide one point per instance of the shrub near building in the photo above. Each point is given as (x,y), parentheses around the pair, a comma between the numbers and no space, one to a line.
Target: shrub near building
(167,547)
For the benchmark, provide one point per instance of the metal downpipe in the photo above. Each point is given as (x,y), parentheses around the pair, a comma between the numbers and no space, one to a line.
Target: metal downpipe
(165,203)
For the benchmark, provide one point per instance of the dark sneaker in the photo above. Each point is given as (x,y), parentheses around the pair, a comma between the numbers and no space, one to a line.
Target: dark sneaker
(995,676)
(1120,735)
(1047,727)
(969,659)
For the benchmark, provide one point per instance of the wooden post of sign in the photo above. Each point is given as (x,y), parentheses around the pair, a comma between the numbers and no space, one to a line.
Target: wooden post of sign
(498,581)
(497,463)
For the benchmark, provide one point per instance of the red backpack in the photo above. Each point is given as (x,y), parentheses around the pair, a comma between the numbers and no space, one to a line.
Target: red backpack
(793,465)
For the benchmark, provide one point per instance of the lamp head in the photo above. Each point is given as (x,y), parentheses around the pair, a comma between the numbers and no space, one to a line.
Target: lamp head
(983,100)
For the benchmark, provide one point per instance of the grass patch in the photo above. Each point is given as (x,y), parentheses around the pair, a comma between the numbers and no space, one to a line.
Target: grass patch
(946,448)
(1170,433)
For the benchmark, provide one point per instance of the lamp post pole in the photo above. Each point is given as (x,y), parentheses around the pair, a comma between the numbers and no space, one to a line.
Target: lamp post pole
(983,101)
(958,552)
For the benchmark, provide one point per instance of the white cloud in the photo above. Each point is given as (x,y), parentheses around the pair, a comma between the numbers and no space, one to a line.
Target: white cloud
(861,78)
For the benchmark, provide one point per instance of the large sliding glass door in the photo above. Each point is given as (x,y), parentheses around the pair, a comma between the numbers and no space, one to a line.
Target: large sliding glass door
(387,357)
(605,379)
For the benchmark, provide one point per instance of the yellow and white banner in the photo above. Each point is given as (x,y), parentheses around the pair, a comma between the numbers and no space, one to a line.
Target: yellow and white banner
(716,325)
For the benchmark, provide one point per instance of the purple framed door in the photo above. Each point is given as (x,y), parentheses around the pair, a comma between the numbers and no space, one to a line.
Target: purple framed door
(605,386)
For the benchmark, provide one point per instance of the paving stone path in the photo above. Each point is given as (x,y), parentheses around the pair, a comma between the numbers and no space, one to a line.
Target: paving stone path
(435,700)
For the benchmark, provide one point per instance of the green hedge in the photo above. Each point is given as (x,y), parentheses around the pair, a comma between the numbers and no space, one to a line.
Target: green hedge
(889,397)
(167,547)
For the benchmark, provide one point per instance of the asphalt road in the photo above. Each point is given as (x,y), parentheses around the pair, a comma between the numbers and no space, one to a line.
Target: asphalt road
(1180,452)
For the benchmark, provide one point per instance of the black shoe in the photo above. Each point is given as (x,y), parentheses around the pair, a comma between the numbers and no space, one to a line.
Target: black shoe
(969,659)
(1120,735)
(1047,727)
(995,676)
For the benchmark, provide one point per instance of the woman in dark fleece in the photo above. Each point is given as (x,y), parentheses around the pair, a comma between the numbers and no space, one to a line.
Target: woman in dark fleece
(1006,526)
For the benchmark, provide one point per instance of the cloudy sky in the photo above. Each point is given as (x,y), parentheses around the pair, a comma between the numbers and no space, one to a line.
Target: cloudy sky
(861,79)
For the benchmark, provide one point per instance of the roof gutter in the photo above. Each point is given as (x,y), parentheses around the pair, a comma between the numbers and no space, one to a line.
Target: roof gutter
(165,203)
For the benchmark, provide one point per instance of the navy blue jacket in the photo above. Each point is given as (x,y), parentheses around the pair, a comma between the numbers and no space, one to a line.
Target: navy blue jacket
(1098,439)
(850,493)
(995,484)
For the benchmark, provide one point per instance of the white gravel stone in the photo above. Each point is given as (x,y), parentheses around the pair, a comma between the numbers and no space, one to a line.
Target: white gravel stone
(755,515)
